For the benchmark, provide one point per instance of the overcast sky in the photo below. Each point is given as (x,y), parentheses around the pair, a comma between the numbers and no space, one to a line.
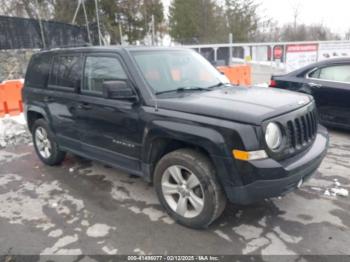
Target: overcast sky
(334,14)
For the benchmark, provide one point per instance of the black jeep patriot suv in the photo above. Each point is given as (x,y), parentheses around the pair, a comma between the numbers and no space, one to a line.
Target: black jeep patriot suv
(169,116)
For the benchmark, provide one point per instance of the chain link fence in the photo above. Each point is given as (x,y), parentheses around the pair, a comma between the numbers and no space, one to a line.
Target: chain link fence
(24,33)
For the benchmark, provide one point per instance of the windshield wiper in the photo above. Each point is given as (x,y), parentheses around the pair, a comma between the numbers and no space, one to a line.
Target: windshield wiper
(183,89)
(217,85)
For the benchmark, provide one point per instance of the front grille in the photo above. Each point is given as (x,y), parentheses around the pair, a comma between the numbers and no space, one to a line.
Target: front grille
(301,130)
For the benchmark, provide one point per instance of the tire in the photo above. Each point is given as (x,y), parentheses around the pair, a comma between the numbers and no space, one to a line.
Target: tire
(43,138)
(208,196)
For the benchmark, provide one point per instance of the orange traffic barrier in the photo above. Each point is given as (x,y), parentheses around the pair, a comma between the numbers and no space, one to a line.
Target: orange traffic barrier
(11,97)
(2,101)
(238,74)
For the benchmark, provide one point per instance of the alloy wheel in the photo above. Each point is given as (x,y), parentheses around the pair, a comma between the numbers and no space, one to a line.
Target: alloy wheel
(43,143)
(182,191)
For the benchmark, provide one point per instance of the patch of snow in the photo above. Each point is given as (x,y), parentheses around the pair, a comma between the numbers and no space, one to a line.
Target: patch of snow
(276,246)
(13,131)
(168,220)
(56,233)
(69,252)
(134,209)
(98,230)
(336,182)
(336,190)
(153,214)
(248,231)
(340,191)
(255,244)
(139,251)
(222,235)
(19,207)
(62,242)
(85,223)
(287,238)
(110,250)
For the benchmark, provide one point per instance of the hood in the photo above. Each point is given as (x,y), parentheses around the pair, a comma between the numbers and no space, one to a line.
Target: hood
(247,105)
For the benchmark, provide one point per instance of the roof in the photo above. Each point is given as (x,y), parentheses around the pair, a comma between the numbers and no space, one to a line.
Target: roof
(111,48)
(320,64)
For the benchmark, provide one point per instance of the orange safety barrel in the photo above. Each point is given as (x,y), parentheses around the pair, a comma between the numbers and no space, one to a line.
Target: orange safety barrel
(11,97)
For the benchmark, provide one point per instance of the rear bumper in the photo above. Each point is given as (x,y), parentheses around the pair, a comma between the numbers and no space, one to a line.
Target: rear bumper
(290,173)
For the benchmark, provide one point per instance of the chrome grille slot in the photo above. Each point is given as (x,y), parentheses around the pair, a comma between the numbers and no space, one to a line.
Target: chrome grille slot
(301,130)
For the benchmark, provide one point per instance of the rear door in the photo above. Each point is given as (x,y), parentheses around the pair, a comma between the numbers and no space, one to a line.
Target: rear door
(61,95)
(111,130)
(330,87)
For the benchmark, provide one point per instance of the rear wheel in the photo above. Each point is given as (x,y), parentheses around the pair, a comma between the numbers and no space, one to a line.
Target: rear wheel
(45,145)
(187,187)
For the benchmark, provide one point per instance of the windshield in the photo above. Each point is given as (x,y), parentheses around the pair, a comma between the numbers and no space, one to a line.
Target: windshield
(173,70)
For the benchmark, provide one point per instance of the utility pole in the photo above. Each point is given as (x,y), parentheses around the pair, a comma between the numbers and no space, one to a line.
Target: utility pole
(86,21)
(153,31)
(230,39)
(40,24)
(98,23)
(76,12)
(121,33)
(82,2)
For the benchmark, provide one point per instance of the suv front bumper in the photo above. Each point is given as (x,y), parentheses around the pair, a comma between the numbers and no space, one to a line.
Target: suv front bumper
(278,178)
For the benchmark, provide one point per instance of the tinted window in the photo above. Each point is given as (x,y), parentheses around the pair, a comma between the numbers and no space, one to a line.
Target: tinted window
(66,71)
(315,74)
(339,73)
(100,69)
(38,71)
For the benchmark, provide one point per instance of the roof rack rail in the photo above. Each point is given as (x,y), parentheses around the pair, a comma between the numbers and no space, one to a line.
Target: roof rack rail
(67,46)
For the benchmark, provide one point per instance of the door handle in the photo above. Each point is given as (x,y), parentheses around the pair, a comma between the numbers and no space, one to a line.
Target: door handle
(85,106)
(314,85)
(48,99)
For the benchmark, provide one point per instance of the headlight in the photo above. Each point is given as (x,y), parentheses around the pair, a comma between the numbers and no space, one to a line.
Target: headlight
(273,136)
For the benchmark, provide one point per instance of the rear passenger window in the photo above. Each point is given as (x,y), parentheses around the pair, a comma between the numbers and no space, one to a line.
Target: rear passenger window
(339,73)
(38,71)
(66,71)
(100,69)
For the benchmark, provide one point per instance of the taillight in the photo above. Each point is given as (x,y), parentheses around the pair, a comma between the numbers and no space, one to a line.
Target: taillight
(273,83)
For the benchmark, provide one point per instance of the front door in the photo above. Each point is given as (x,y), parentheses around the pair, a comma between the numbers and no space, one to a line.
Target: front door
(110,128)
(331,89)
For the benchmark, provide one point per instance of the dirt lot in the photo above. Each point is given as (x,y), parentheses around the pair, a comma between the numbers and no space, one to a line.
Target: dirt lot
(84,207)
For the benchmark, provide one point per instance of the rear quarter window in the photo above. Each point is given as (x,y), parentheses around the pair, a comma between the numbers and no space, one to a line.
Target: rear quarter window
(38,71)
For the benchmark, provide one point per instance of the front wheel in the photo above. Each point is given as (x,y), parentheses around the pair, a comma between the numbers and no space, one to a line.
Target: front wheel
(187,187)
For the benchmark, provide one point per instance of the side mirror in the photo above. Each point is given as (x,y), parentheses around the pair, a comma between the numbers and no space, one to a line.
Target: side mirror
(118,89)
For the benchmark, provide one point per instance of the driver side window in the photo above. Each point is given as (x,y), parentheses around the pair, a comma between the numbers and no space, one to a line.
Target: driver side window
(100,69)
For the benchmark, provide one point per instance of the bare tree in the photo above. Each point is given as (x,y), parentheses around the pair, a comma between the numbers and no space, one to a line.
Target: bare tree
(27,8)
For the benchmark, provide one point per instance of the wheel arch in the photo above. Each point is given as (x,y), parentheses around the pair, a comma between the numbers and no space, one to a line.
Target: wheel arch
(159,141)
(33,114)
